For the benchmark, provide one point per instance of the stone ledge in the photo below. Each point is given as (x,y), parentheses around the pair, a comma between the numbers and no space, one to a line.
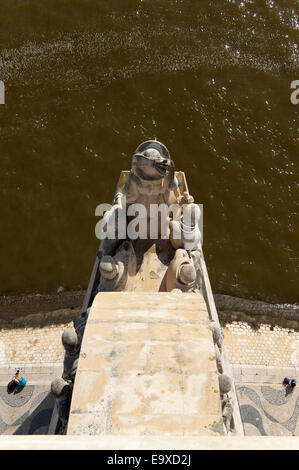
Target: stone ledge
(256,310)
(20,308)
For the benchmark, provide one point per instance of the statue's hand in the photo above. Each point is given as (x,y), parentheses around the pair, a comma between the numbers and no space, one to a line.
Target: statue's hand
(187,198)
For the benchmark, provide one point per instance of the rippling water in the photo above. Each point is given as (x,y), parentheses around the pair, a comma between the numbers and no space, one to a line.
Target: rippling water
(87,81)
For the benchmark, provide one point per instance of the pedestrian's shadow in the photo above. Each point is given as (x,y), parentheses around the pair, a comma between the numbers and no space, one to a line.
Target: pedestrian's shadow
(289,389)
(10,389)
(15,390)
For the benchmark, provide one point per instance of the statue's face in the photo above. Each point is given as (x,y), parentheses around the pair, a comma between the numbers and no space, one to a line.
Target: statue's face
(145,169)
(151,160)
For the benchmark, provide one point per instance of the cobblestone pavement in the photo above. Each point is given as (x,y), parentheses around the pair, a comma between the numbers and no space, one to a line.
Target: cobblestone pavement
(34,344)
(264,345)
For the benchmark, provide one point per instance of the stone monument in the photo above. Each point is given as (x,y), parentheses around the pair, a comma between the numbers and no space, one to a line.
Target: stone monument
(146,355)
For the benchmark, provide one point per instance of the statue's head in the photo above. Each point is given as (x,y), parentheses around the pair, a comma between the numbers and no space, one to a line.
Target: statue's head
(151,161)
(60,387)
(70,340)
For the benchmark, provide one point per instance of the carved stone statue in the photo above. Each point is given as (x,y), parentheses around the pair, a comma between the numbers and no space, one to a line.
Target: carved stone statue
(218,335)
(227,414)
(152,181)
(218,360)
(118,270)
(62,387)
(182,273)
(62,390)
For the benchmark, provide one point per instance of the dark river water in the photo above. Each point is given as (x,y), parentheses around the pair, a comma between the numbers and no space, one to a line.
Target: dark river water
(86,81)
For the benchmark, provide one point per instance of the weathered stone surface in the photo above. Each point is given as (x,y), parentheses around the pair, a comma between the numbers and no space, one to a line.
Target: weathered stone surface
(69,339)
(218,360)
(59,387)
(147,368)
(225,383)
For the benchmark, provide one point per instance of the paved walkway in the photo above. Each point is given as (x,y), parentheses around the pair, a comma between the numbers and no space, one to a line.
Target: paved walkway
(33,345)
(267,407)
(35,340)
(261,357)
(268,410)
(27,410)
(264,345)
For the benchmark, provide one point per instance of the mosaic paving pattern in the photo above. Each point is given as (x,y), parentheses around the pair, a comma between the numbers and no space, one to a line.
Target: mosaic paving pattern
(269,410)
(27,411)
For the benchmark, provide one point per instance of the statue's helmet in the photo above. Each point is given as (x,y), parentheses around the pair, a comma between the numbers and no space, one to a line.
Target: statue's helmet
(151,160)
(156,145)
